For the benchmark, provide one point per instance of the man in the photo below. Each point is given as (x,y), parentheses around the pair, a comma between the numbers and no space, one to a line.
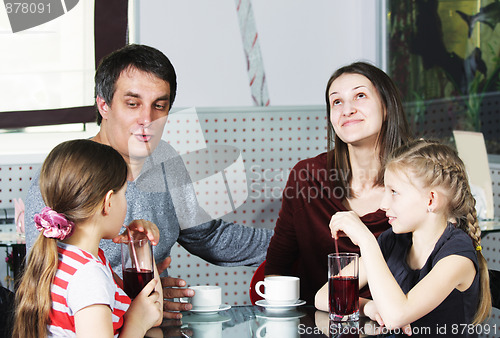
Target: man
(135,89)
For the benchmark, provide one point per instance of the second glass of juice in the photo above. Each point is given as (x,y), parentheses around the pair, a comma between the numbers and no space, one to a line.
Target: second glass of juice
(343,285)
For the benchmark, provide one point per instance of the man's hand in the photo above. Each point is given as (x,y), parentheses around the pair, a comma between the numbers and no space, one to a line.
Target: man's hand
(140,225)
(172,289)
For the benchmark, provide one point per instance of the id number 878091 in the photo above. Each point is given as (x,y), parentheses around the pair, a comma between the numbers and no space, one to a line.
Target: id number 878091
(474,329)
(27,7)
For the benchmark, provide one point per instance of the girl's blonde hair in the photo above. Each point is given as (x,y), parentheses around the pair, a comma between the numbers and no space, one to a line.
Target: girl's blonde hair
(437,165)
(74,179)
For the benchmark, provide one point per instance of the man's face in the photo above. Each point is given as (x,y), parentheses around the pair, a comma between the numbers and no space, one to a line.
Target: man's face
(133,123)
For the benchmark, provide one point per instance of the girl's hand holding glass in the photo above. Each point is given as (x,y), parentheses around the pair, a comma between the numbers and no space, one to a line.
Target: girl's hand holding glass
(146,310)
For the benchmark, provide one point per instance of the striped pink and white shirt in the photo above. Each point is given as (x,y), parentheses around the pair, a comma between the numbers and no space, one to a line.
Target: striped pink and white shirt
(82,280)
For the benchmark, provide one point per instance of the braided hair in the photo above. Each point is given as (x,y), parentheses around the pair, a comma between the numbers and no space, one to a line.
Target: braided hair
(439,166)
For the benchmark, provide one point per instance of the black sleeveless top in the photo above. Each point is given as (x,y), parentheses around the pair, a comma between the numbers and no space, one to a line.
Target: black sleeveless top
(453,317)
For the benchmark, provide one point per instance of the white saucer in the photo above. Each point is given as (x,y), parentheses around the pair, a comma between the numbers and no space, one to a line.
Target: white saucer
(279,307)
(204,318)
(222,307)
(280,315)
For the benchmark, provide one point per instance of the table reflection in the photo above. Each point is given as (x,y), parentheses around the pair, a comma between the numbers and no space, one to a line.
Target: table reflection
(255,321)
(362,328)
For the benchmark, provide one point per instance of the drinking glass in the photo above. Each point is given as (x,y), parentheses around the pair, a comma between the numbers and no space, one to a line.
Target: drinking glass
(343,286)
(137,265)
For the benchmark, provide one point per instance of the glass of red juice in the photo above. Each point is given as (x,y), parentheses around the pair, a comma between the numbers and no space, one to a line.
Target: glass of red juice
(343,286)
(137,264)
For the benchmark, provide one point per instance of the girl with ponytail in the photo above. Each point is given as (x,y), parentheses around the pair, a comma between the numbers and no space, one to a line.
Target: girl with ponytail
(68,288)
(427,270)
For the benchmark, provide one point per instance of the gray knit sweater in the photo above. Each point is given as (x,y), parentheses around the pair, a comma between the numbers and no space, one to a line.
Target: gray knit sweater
(163,194)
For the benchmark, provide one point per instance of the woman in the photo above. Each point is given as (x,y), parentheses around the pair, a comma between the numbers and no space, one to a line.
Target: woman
(366,121)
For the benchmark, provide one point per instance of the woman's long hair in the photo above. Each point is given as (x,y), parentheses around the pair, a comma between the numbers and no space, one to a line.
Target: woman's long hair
(436,165)
(394,133)
(74,179)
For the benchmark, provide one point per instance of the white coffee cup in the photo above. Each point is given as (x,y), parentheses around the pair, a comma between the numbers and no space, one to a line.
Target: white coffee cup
(278,328)
(279,290)
(206,297)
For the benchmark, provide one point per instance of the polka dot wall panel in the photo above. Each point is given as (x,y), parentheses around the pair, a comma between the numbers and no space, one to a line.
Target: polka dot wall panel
(14,182)
(491,251)
(491,242)
(239,164)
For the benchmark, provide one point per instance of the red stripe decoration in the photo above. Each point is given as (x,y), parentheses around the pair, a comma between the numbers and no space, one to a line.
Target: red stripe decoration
(74,255)
(117,325)
(86,254)
(103,259)
(255,39)
(58,299)
(122,298)
(62,320)
(66,268)
(60,283)
(251,48)
(119,313)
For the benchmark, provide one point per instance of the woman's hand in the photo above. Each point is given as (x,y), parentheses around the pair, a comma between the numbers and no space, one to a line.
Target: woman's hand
(140,225)
(348,222)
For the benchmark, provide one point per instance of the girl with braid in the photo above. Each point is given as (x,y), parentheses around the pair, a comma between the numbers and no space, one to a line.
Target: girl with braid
(427,270)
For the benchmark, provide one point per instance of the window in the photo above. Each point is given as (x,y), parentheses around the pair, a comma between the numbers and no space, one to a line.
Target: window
(47,72)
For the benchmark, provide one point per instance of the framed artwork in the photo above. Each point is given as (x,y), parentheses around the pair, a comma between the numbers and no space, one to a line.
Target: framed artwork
(444,57)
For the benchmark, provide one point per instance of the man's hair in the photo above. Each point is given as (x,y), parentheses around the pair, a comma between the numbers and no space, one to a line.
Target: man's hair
(141,57)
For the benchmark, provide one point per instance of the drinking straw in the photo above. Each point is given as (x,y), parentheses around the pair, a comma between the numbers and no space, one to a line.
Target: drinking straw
(134,254)
(337,316)
(337,252)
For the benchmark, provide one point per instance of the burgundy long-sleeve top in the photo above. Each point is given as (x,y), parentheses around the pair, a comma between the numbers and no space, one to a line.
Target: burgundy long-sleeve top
(302,239)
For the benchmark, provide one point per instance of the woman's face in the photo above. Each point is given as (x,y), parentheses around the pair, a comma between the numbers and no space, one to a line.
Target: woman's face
(356,110)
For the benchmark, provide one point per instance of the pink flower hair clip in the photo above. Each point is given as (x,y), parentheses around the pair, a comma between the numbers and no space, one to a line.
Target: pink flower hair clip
(53,224)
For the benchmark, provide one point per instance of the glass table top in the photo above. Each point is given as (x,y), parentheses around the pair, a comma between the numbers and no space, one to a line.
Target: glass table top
(255,321)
